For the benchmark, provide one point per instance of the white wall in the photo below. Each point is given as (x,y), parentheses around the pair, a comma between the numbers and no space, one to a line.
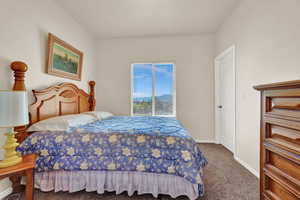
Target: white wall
(23,36)
(266,34)
(193,57)
(267,38)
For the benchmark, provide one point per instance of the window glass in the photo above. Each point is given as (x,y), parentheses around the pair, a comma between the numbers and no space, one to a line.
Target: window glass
(153,89)
(163,89)
(142,89)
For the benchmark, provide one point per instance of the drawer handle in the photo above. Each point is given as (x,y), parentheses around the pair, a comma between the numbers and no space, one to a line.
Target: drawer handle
(295,107)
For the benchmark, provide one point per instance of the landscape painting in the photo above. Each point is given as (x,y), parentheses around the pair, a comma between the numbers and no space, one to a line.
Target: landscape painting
(63,59)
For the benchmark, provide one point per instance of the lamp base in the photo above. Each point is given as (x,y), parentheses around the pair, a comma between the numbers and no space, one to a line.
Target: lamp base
(11,157)
(10,162)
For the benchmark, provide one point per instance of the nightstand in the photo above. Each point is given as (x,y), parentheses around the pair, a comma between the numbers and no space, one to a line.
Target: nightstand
(26,167)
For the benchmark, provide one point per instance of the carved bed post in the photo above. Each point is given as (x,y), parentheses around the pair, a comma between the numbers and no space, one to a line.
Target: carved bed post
(92,99)
(19,69)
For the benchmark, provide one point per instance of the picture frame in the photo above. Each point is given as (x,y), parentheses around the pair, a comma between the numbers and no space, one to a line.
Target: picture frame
(64,60)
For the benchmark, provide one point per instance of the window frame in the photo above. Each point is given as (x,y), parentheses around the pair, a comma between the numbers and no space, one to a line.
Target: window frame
(153,88)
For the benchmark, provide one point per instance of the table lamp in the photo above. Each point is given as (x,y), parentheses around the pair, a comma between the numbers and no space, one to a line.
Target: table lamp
(13,113)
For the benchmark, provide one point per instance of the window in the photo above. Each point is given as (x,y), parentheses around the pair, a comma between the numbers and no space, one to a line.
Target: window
(153,89)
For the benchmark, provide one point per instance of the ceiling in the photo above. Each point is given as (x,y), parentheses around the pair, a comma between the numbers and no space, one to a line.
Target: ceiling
(137,18)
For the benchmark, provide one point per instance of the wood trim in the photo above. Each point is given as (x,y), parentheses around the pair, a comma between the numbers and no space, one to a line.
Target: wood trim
(264,105)
(279,85)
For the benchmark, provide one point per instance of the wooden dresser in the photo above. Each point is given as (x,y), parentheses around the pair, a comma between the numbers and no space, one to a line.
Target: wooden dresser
(280,141)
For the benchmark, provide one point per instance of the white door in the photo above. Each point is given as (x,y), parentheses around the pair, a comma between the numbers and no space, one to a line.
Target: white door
(225,98)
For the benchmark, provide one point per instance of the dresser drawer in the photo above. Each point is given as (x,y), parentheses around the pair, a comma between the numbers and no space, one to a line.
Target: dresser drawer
(281,172)
(283,103)
(286,166)
(276,191)
(283,134)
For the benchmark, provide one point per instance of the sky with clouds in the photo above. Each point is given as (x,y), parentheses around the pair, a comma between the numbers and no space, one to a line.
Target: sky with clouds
(143,79)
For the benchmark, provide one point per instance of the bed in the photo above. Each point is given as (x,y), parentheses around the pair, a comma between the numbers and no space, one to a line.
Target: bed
(140,154)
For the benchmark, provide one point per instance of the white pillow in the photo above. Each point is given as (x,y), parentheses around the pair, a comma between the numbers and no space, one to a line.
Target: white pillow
(100,115)
(62,123)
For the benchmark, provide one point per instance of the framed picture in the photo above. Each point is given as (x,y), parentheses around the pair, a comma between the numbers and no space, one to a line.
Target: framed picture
(63,59)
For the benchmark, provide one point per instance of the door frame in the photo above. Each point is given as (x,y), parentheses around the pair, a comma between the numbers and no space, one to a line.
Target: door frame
(217,95)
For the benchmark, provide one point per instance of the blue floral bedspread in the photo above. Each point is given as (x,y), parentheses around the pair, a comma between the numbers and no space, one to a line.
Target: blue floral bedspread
(147,144)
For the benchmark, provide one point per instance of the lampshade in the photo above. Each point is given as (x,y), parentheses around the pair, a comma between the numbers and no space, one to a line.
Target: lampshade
(13,108)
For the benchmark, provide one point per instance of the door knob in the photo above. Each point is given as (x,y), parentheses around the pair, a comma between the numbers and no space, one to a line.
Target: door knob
(220,106)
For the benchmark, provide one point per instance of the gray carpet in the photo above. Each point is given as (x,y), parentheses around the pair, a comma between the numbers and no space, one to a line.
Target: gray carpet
(224,179)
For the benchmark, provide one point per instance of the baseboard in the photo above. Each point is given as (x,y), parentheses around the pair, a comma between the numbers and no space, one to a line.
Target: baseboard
(6,192)
(244,164)
(207,141)
(248,167)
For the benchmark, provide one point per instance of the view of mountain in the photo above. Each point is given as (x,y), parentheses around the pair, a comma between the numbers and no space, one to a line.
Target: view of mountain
(142,99)
(164,98)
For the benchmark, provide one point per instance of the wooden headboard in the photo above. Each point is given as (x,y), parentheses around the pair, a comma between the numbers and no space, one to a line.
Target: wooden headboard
(56,100)
(62,99)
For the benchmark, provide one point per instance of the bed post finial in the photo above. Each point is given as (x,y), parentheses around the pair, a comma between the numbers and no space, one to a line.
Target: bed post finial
(19,69)
(92,99)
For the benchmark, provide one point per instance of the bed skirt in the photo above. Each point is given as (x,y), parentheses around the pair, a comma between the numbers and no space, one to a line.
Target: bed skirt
(101,181)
